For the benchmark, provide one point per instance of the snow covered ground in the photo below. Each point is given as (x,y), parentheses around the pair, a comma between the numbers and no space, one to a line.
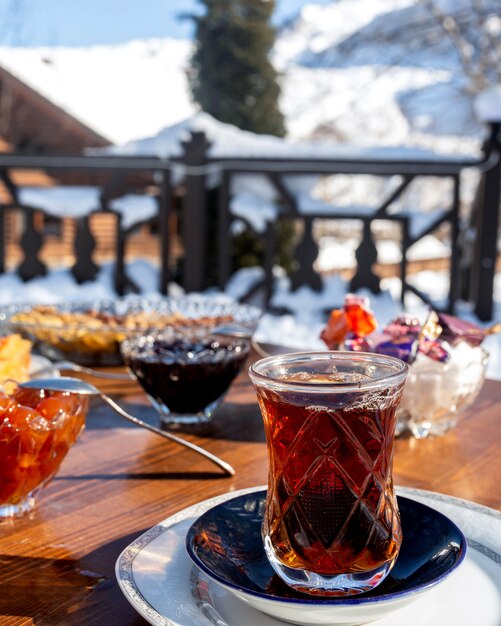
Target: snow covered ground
(300,329)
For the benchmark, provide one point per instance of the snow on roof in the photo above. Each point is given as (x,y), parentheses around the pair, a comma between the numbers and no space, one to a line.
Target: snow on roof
(122,91)
(228,141)
(365,95)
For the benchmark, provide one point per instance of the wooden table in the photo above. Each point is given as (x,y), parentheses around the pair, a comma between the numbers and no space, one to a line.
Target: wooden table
(57,565)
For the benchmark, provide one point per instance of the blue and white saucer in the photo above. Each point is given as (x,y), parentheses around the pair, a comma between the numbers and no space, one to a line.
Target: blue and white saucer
(226,544)
(160,581)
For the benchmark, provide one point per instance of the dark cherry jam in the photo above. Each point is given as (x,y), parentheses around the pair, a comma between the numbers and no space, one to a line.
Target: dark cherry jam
(185,375)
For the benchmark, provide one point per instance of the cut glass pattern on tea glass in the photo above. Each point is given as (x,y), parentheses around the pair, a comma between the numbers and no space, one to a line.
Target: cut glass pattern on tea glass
(343,466)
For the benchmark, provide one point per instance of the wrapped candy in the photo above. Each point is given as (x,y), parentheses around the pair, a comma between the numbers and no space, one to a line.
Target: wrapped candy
(357,344)
(447,361)
(361,320)
(431,339)
(404,347)
(404,337)
(402,326)
(400,338)
(455,330)
(336,330)
(348,327)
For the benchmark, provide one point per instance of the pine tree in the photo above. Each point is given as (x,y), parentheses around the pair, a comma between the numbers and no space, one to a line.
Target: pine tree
(233,78)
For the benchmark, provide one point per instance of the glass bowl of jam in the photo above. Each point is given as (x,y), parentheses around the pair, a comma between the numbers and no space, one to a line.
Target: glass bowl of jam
(185,371)
(37,428)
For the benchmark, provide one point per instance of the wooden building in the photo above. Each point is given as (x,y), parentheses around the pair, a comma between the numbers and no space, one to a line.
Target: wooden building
(32,124)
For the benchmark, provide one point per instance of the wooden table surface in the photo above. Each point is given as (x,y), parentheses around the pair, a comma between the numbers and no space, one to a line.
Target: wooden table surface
(57,564)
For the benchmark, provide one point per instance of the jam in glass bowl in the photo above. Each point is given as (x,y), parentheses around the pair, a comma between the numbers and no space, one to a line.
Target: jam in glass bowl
(37,428)
(185,371)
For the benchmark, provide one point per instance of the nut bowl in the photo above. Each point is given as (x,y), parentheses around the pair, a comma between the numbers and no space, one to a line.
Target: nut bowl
(37,429)
(90,333)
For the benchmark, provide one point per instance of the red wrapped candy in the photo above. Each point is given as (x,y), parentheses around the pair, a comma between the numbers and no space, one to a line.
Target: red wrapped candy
(355,319)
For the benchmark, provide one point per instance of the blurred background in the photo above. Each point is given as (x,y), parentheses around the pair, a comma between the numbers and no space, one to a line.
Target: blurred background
(347,145)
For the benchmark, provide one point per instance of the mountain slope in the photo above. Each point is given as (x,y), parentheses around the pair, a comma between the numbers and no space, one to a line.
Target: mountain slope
(357,71)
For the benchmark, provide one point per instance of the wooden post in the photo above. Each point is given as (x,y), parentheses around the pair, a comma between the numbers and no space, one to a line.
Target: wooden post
(163,227)
(194,216)
(483,281)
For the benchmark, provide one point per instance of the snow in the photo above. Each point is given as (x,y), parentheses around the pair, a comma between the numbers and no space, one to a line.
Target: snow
(345,89)
(299,329)
(62,201)
(134,208)
(488,104)
(356,71)
(76,202)
(255,210)
(121,91)
(339,254)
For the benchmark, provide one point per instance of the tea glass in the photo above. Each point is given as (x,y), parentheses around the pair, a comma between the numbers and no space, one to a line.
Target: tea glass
(331,525)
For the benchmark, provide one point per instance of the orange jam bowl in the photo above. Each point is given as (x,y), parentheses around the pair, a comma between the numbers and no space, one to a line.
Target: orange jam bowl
(37,428)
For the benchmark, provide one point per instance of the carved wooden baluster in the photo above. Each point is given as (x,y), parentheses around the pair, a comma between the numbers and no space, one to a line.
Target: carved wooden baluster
(306,253)
(366,256)
(30,243)
(84,245)
(123,283)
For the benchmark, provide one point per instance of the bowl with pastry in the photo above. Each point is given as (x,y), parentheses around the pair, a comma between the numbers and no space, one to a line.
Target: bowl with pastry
(90,333)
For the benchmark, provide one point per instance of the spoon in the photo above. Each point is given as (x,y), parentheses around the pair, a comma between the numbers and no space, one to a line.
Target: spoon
(75,385)
(232,330)
(69,366)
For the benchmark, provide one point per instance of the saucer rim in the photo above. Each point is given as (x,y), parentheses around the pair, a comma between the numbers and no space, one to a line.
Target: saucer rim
(481,525)
(324,601)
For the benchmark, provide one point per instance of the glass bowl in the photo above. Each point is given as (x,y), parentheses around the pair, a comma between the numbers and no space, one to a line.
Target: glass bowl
(435,393)
(37,428)
(185,371)
(90,333)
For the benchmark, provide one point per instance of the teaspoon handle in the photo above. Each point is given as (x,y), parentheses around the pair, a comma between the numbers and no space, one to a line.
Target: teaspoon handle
(70,366)
(228,469)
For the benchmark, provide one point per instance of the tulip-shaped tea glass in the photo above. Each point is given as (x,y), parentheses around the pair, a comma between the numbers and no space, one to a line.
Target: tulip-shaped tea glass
(331,525)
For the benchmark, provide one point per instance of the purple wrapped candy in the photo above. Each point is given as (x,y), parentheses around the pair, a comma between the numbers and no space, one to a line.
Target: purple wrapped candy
(434,349)
(402,326)
(403,347)
(455,330)
(354,343)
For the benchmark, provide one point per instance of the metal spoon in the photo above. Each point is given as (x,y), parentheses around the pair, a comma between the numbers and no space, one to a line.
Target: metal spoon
(69,366)
(75,385)
(232,330)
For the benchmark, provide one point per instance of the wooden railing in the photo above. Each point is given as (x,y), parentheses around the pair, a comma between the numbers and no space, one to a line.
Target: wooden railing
(472,259)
